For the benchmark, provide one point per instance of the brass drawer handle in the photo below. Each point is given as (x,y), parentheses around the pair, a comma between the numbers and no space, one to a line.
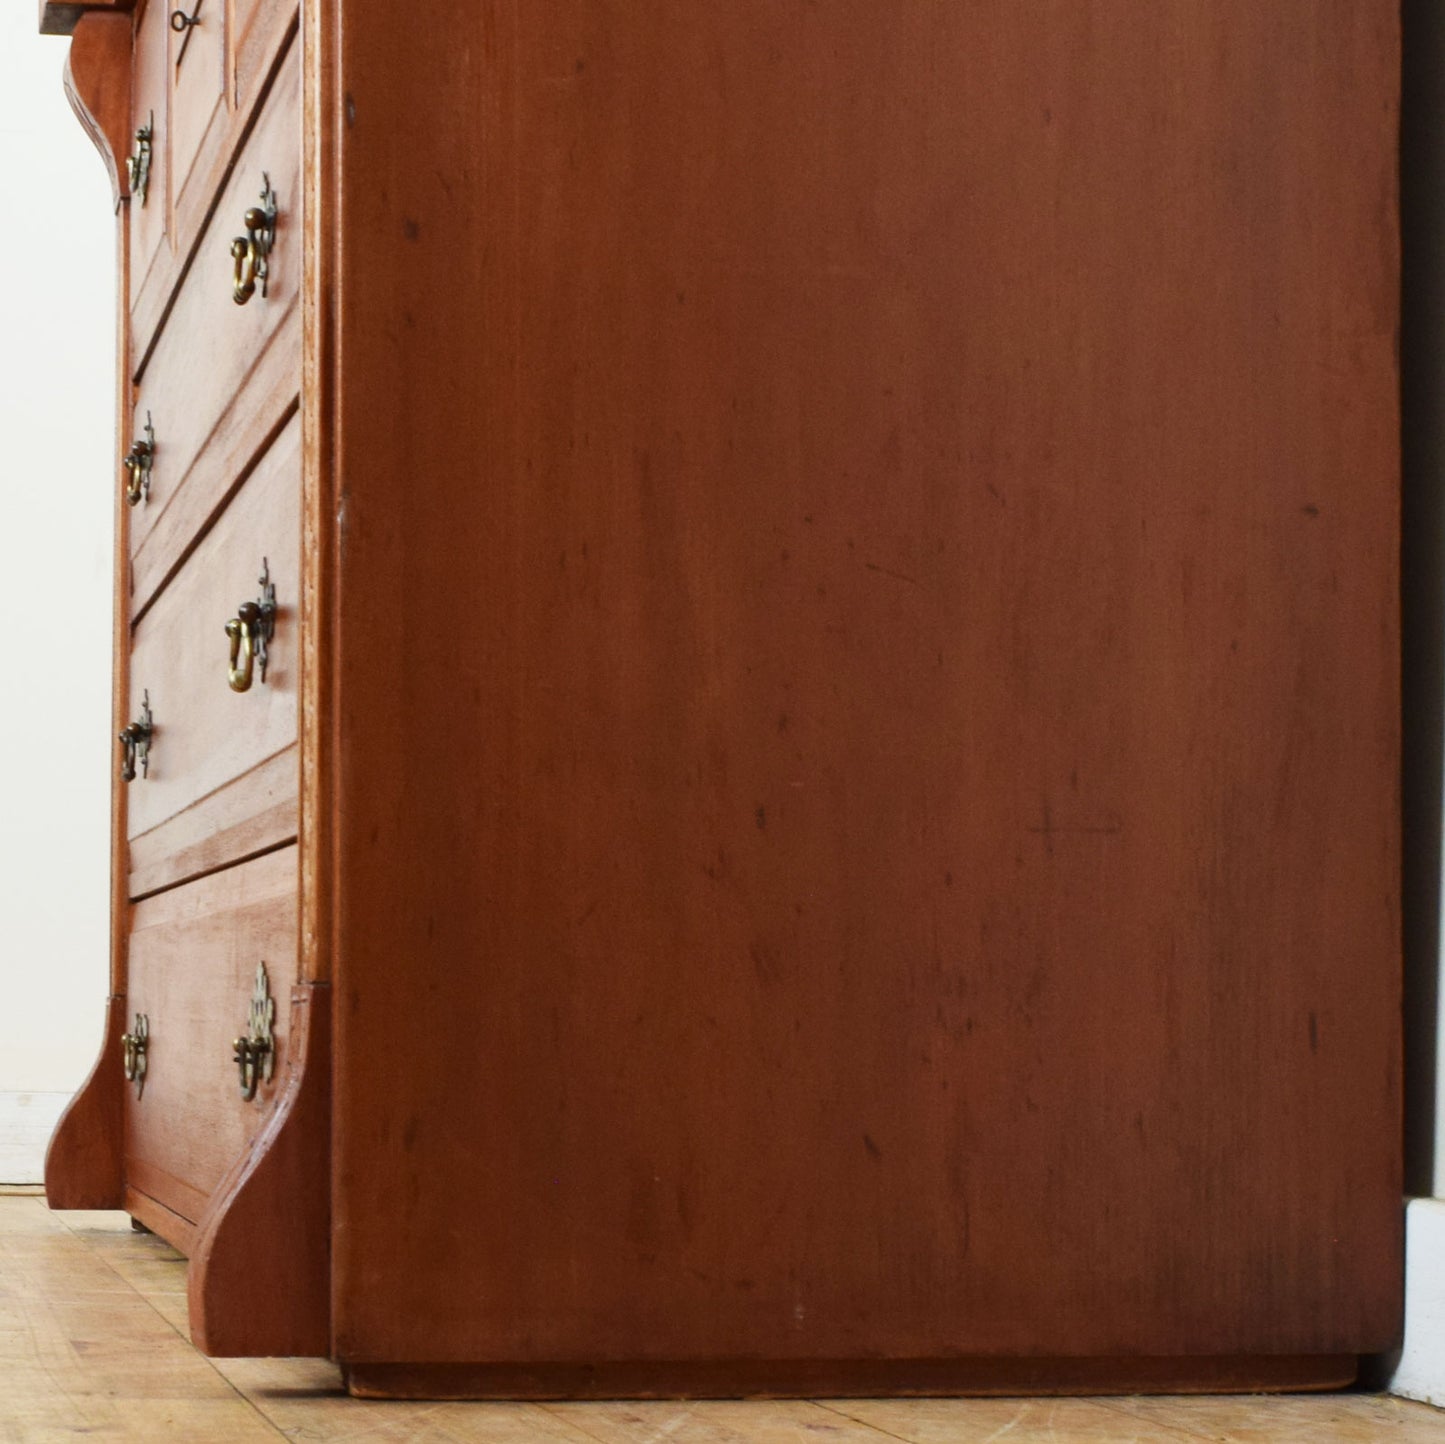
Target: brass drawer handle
(250,630)
(138,462)
(255,1054)
(251,252)
(133,1052)
(138,163)
(135,743)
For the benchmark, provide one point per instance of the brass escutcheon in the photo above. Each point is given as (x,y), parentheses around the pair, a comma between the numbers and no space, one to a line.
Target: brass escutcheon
(133,1052)
(138,462)
(255,1053)
(135,742)
(250,630)
(251,252)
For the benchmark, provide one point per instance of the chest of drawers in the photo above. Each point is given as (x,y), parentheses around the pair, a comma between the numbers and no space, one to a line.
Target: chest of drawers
(820,812)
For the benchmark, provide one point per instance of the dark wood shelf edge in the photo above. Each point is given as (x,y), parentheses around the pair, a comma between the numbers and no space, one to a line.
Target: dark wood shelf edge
(260,1275)
(60,17)
(828,1378)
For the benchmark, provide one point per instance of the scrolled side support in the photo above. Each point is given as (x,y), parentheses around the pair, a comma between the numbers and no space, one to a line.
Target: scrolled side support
(260,1275)
(83,1165)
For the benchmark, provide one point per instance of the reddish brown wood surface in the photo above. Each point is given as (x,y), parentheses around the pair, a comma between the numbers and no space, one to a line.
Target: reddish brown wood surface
(196,69)
(83,1161)
(855,1377)
(97,83)
(260,1276)
(150,223)
(320,494)
(193,957)
(222,377)
(206,734)
(866,681)
(254,813)
(179,1232)
(204,113)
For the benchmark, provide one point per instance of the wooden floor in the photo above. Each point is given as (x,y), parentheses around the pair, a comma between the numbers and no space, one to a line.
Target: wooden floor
(92,1344)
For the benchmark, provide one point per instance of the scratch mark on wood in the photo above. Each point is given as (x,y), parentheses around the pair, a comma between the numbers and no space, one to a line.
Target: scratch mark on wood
(897,576)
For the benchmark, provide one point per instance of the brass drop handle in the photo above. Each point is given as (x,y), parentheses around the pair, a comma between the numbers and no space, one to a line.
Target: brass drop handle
(251,252)
(242,630)
(133,1052)
(250,630)
(138,163)
(255,1053)
(138,462)
(135,742)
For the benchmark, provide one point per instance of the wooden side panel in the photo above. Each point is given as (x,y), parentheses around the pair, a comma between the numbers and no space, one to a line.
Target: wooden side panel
(206,734)
(193,957)
(887,837)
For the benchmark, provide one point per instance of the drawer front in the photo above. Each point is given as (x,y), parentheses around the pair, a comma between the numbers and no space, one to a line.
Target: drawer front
(210,741)
(221,375)
(196,73)
(201,85)
(150,214)
(194,953)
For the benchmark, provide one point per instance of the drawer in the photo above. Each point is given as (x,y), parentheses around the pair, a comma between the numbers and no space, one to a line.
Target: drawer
(222,763)
(200,86)
(222,376)
(194,953)
(150,205)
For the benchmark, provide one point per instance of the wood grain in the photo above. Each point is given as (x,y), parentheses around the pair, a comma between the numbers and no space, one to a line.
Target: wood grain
(248,422)
(895,850)
(197,68)
(97,84)
(210,347)
(322,108)
(197,197)
(260,1279)
(799,1378)
(193,957)
(83,1162)
(206,734)
(164,1222)
(259,32)
(93,1344)
(150,228)
(252,814)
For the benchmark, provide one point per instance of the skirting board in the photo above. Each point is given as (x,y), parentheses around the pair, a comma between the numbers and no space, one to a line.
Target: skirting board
(26,1122)
(1421,1371)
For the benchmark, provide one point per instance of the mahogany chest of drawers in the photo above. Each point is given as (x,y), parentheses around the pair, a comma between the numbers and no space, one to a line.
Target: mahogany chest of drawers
(756,672)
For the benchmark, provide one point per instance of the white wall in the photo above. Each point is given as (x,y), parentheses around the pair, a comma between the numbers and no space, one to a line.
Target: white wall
(57,480)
